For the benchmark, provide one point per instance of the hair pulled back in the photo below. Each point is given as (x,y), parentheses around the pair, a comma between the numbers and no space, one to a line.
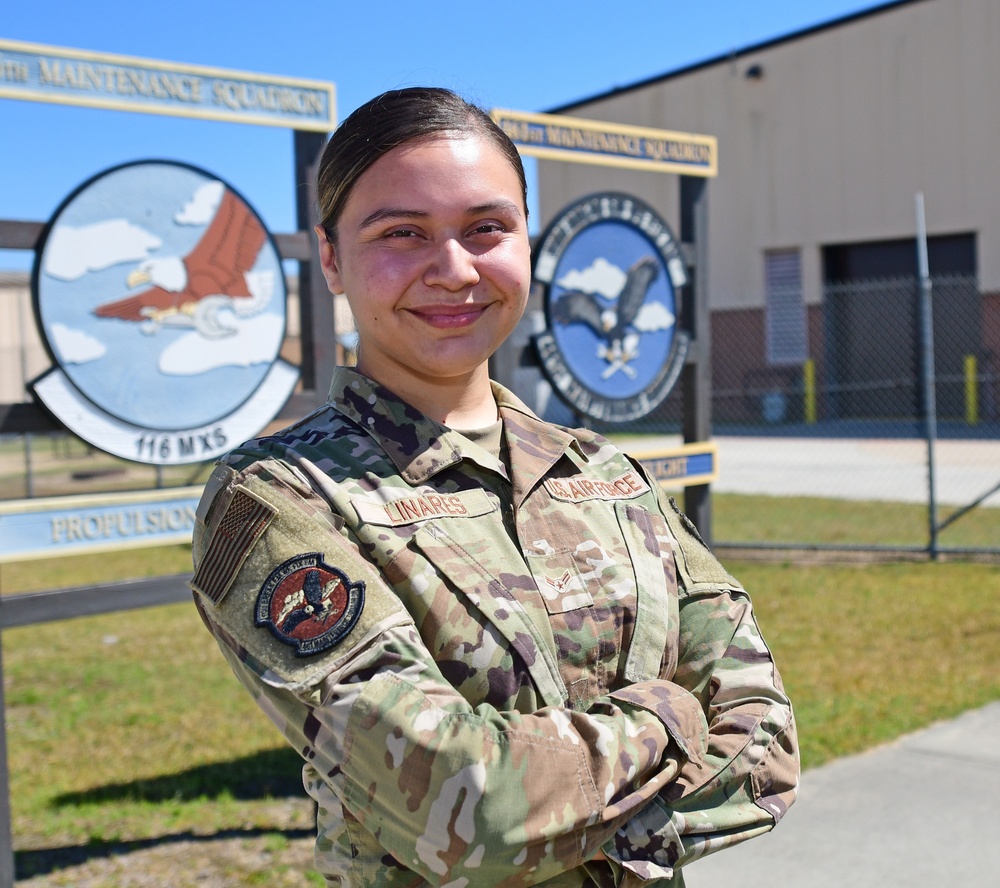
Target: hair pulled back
(388,121)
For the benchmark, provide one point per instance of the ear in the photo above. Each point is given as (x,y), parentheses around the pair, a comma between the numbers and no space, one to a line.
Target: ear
(328,262)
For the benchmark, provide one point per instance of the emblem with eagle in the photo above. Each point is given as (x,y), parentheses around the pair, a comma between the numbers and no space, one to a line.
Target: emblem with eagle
(618,322)
(611,272)
(308,604)
(191,291)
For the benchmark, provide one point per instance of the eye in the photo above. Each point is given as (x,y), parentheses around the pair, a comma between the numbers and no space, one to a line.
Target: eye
(489,228)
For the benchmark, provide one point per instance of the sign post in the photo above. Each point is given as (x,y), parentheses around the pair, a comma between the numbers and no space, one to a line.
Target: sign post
(697,377)
(31,72)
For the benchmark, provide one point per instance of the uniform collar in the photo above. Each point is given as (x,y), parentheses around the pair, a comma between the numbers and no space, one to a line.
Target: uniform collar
(534,445)
(420,447)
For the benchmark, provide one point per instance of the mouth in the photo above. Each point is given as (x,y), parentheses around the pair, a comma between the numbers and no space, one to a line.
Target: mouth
(448,317)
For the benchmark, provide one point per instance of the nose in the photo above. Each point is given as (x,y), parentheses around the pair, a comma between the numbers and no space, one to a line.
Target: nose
(452,266)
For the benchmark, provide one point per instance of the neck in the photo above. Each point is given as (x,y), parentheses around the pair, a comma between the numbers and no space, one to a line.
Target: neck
(462,402)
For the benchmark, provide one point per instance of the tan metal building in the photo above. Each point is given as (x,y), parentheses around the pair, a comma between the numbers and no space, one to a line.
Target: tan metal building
(22,354)
(825,138)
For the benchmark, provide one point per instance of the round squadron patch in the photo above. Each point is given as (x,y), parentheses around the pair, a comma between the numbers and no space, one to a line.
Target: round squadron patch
(308,604)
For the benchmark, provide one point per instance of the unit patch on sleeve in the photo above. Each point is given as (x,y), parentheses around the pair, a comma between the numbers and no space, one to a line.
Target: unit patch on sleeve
(246,518)
(308,604)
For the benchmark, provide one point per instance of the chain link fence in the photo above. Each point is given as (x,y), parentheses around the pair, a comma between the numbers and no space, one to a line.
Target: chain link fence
(843,432)
(820,422)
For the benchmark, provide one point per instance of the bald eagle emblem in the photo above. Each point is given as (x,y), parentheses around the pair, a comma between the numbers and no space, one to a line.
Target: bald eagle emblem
(308,604)
(618,319)
(217,274)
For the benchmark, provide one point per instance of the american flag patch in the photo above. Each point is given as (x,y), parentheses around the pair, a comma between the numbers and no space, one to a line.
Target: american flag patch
(245,520)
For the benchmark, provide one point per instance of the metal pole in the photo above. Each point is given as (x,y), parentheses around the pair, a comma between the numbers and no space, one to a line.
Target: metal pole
(317,319)
(29,468)
(6,833)
(927,372)
(696,379)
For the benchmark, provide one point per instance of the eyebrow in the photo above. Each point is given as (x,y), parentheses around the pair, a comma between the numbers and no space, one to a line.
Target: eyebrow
(381,215)
(391,213)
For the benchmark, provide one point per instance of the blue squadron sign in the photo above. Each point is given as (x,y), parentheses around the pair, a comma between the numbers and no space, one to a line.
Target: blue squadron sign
(37,73)
(161,299)
(611,270)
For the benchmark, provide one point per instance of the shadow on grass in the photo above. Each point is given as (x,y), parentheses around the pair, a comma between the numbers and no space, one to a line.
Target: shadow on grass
(43,861)
(272,773)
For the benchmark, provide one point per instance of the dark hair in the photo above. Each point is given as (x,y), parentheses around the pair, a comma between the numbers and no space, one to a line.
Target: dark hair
(388,121)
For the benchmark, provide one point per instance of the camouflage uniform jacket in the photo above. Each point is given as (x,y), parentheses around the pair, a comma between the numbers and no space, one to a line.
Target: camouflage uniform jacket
(490,674)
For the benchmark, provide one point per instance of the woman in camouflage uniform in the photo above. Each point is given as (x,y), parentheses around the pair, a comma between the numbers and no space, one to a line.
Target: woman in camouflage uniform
(504,657)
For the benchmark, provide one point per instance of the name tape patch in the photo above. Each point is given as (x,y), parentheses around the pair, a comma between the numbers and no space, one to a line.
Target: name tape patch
(577,489)
(420,507)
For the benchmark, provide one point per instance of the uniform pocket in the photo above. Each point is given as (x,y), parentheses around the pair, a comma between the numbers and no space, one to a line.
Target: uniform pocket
(653,649)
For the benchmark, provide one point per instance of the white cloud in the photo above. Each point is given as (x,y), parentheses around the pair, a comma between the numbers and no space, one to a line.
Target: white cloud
(202,206)
(654,316)
(75,346)
(256,342)
(72,252)
(601,277)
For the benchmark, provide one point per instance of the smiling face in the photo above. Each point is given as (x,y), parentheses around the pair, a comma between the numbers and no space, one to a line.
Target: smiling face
(432,253)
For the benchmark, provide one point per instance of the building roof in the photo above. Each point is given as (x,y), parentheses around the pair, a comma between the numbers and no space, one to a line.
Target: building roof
(734,54)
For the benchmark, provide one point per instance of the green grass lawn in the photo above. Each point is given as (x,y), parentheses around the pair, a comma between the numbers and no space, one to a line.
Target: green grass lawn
(129,726)
(62,464)
(742,518)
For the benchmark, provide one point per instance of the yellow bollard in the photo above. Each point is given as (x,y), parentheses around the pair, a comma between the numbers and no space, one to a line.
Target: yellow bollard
(809,391)
(971,390)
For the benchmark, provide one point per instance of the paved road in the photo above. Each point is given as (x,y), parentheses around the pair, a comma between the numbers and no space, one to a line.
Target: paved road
(888,469)
(924,810)
(860,468)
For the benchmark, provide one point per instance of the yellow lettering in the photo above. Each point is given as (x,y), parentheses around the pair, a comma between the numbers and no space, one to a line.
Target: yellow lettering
(49,73)
(13,70)
(239,96)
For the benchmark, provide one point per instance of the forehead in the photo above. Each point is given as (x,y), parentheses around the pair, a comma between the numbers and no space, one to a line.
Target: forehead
(439,166)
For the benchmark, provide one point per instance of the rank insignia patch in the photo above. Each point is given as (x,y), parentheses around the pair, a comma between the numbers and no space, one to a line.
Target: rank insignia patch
(308,604)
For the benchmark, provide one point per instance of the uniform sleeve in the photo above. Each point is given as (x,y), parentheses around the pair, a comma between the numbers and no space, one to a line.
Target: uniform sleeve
(459,794)
(749,776)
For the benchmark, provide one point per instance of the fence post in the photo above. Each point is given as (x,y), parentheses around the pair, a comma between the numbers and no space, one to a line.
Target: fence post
(809,391)
(971,390)
(6,831)
(927,366)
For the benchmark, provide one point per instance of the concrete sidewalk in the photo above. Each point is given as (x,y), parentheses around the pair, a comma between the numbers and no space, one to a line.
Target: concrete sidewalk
(859,468)
(924,810)
(886,469)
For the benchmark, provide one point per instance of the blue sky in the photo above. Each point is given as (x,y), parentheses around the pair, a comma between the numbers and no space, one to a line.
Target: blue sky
(527,55)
